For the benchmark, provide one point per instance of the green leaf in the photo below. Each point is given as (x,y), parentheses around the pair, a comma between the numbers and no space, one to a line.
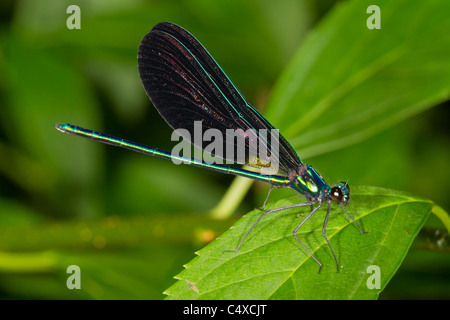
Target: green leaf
(271,264)
(347,83)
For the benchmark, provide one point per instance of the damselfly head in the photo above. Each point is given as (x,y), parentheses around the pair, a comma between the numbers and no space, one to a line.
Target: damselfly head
(340,193)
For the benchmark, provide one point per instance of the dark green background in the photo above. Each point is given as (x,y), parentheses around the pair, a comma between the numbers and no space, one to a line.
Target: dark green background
(130,222)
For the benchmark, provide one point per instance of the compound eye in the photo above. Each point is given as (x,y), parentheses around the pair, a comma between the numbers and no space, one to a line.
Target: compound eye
(336,194)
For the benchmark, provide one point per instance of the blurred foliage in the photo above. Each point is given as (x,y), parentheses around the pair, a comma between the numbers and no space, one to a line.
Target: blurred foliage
(131,222)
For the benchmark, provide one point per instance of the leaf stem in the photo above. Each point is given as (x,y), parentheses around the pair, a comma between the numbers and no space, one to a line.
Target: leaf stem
(234,195)
(442,215)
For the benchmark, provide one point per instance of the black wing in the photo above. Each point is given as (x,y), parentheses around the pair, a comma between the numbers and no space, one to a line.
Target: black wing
(186,84)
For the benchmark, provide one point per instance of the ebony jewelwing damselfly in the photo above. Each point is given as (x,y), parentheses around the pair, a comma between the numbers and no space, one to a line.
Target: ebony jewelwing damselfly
(185,84)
